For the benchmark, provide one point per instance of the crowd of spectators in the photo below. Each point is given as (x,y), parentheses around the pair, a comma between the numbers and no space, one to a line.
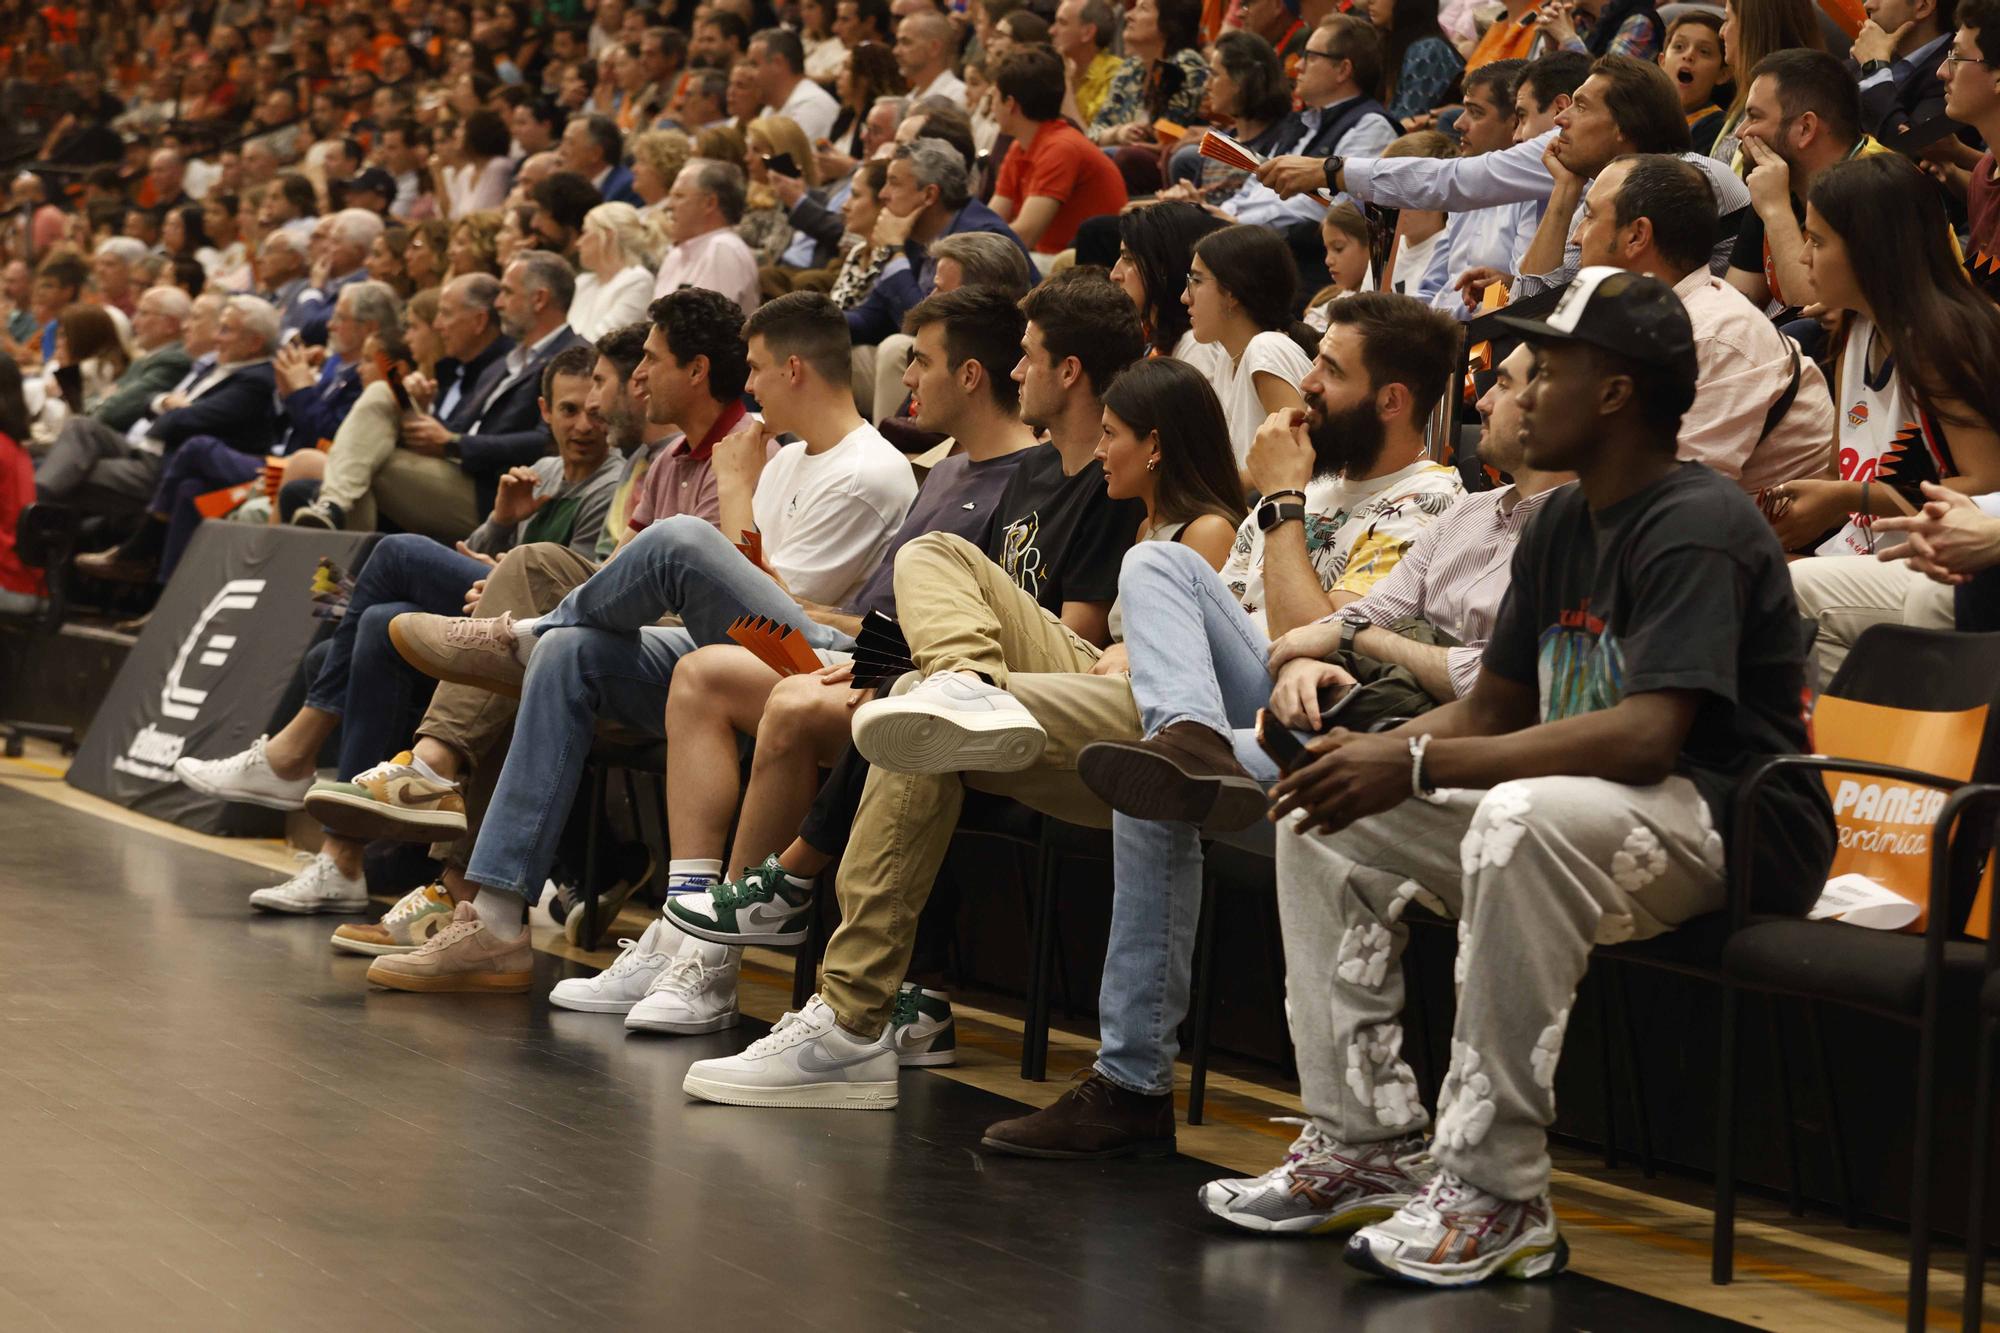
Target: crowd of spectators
(1076,384)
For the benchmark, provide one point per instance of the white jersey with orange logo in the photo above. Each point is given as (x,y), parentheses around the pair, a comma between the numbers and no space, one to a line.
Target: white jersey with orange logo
(1884,436)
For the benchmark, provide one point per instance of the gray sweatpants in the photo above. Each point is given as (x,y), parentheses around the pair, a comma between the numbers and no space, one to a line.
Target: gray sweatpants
(1536,872)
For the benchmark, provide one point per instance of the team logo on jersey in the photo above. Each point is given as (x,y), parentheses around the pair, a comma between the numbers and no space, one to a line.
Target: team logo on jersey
(1857,415)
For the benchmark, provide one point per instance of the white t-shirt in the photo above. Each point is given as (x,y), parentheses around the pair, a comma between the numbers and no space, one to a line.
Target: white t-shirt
(1272,353)
(826,519)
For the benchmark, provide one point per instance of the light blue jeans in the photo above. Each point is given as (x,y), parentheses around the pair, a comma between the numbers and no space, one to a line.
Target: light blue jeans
(1197,656)
(599,656)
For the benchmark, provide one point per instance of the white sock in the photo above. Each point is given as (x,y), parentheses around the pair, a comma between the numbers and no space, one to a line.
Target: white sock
(524,627)
(428,771)
(500,912)
(693,875)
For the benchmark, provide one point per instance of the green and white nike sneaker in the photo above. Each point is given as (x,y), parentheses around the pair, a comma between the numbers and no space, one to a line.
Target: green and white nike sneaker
(769,905)
(920,1028)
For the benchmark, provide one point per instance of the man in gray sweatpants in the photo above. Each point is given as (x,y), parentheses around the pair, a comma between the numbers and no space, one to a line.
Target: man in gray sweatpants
(1648,655)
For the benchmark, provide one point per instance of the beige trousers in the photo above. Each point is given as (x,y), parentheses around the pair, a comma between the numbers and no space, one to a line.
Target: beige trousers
(364,442)
(878,375)
(1845,594)
(960,612)
(428,495)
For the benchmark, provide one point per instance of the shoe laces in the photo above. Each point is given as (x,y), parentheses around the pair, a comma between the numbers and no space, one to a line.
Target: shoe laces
(682,976)
(627,961)
(383,770)
(1312,1141)
(493,634)
(1448,1195)
(756,886)
(904,1011)
(415,903)
(244,759)
(789,1031)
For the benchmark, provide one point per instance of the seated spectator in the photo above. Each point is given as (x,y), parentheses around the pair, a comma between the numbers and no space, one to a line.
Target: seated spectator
(868,79)
(317,388)
(1898,56)
(111,273)
(1687,600)
(1597,28)
(386,261)
(1972,99)
(471,171)
(1693,60)
(1770,26)
(1053,178)
(90,358)
(474,246)
(1915,398)
(281,270)
(766,225)
(350,235)
(615,284)
(1163,76)
(23,591)
(1281,24)
(703,210)
(1801,116)
(1239,295)
(925,45)
(1761,413)
(825,507)
(364,690)
(232,399)
(1419,63)
(1155,251)
(657,158)
(561,201)
(162,360)
(826,53)
(447,470)
(780,61)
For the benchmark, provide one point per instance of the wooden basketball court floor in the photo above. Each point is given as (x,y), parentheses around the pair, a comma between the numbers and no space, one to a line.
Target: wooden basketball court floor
(212,1122)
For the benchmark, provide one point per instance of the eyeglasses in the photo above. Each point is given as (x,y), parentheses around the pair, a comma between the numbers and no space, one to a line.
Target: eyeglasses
(1328,56)
(1954,58)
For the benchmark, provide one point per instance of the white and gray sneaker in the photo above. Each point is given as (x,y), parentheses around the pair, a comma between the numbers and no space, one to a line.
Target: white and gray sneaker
(1323,1185)
(1454,1234)
(618,987)
(688,996)
(245,777)
(805,1061)
(320,887)
(951,722)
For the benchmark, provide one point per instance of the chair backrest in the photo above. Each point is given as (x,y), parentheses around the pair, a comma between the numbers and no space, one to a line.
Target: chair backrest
(1927,671)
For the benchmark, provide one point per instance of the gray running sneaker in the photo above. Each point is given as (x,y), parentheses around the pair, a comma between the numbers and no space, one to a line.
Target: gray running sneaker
(1323,1185)
(1455,1234)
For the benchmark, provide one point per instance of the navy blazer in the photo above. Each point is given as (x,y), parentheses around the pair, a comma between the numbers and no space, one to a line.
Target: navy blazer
(618,187)
(449,371)
(314,313)
(1912,95)
(505,424)
(315,412)
(241,411)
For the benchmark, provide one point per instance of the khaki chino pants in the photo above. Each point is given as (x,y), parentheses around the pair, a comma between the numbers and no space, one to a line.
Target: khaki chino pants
(960,612)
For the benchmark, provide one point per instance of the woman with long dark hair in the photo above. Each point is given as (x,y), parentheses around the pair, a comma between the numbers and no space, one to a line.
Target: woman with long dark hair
(1155,250)
(1247,93)
(1165,444)
(1239,294)
(870,73)
(1422,64)
(1914,391)
(1751,30)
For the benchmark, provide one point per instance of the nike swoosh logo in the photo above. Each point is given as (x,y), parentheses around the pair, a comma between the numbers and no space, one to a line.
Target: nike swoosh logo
(812,1062)
(764,914)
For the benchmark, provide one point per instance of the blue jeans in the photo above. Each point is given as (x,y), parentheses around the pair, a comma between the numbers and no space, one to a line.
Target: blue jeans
(403,572)
(1197,656)
(599,656)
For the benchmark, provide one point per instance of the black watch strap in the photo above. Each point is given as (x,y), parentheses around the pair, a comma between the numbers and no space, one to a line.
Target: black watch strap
(1332,166)
(1272,513)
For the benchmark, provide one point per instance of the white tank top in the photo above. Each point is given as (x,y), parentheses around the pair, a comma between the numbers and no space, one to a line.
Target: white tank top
(1884,436)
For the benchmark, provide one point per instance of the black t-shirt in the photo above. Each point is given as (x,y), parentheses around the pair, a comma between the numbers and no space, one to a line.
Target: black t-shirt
(1680,587)
(1061,538)
(959,496)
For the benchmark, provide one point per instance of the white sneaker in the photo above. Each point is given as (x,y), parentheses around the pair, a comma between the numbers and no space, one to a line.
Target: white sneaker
(618,987)
(245,777)
(950,723)
(320,887)
(688,996)
(805,1061)
(1454,1234)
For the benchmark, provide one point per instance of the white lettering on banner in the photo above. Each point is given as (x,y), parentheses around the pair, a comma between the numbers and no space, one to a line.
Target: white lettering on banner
(151,754)
(1887,804)
(184,702)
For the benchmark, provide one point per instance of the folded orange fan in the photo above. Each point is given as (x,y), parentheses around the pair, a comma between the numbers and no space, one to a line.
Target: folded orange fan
(777,646)
(1168,132)
(1219,147)
(752,547)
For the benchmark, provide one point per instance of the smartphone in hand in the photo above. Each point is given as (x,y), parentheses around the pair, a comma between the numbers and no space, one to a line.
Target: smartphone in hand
(782,164)
(1286,750)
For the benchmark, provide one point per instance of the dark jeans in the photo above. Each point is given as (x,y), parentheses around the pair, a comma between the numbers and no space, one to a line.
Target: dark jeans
(364,680)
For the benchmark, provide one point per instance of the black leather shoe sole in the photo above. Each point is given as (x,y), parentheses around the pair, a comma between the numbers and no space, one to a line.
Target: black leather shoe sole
(1138,780)
(1136,1148)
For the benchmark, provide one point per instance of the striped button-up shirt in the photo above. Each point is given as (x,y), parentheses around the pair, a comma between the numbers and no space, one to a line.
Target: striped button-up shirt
(1455,575)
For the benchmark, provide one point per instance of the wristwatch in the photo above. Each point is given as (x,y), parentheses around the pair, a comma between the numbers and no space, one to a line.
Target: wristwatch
(451,449)
(1332,166)
(1272,511)
(1351,626)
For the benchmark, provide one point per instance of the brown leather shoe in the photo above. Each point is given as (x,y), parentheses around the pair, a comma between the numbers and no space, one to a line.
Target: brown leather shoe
(115,568)
(1095,1118)
(1186,773)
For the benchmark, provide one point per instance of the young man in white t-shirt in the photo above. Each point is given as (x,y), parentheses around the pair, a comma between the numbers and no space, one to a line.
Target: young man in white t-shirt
(823,508)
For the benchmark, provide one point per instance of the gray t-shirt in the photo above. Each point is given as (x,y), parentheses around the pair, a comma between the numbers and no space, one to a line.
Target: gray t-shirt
(960,497)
